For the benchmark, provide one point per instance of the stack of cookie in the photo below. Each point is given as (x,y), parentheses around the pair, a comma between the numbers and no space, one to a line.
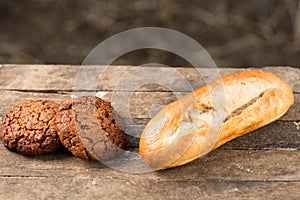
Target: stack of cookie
(87,126)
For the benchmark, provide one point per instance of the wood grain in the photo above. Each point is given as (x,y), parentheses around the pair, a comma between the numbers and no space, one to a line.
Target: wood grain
(91,78)
(143,105)
(135,105)
(266,174)
(222,165)
(264,164)
(81,188)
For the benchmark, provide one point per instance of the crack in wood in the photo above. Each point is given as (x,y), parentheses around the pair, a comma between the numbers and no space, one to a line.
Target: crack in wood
(142,177)
(21,176)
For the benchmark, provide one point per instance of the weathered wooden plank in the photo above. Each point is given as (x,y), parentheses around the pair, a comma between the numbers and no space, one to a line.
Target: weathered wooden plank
(263,164)
(12,98)
(81,188)
(143,105)
(273,136)
(221,165)
(64,77)
(40,77)
(276,135)
(147,104)
(135,105)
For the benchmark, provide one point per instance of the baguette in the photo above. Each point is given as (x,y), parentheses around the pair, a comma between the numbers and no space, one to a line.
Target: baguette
(212,115)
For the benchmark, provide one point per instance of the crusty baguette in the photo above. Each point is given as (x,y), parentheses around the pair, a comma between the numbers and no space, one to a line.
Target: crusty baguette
(203,120)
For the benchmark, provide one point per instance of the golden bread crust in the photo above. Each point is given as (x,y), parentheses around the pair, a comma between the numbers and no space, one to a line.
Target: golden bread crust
(212,115)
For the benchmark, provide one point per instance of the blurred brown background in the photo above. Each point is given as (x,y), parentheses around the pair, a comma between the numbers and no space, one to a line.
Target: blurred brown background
(235,33)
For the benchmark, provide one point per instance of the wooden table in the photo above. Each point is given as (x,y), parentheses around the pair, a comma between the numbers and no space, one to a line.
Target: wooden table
(264,164)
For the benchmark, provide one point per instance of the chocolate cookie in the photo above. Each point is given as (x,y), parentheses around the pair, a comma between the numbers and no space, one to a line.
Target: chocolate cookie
(90,129)
(29,128)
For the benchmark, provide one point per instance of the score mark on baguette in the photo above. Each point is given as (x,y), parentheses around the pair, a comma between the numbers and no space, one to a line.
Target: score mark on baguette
(212,115)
